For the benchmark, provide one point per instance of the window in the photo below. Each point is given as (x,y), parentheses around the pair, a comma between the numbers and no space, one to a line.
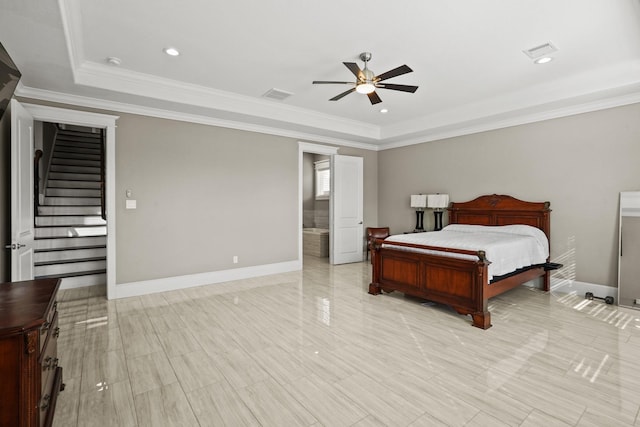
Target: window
(323,179)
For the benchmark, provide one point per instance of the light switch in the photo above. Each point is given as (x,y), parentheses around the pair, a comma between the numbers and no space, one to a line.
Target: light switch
(131,204)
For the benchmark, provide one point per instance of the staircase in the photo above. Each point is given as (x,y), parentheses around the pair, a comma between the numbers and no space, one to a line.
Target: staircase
(70,232)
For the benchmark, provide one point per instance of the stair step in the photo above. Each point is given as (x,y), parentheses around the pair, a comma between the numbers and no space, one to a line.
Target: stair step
(83,280)
(75,162)
(69,255)
(75,201)
(76,141)
(71,274)
(60,183)
(68,261)
(69,210)
(73,192)
(68,242)
(70,231)
(69,220)
(69,268)
(79,156)
(75,176)
(75,169)
(78,136)
(76,149)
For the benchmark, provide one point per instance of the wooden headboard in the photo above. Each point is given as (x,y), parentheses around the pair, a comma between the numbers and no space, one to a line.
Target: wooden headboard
(497,209)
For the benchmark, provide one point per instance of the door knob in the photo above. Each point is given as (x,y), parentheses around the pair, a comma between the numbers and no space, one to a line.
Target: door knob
(14,246)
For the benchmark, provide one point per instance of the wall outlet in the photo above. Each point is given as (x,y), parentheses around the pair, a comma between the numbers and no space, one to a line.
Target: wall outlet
(636,301)
(235,259)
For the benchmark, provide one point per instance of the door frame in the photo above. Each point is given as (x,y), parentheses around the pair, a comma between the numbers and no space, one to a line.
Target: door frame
(107,122)
(307,147)
(22,231)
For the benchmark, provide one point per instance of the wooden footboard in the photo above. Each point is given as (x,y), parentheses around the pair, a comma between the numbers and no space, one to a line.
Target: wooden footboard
(461,283)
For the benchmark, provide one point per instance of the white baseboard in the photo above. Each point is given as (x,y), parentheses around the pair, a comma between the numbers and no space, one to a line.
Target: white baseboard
(566,286)
(144,287)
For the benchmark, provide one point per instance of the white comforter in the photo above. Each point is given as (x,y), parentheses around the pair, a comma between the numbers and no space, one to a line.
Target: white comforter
(508,247)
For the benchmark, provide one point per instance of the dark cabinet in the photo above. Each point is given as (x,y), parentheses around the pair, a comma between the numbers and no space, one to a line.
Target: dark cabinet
(31,377)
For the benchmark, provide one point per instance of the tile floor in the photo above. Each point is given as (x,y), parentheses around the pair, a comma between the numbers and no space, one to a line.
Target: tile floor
(312,348)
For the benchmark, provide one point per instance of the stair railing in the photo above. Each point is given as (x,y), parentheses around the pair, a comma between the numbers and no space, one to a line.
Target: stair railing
(103,210)
(36,182)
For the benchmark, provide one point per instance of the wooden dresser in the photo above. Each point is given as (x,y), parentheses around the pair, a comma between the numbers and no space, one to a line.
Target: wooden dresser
(30,376)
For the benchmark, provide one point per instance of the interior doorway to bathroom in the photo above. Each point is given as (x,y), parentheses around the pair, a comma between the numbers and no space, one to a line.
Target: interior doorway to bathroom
(345,205)
(316,190)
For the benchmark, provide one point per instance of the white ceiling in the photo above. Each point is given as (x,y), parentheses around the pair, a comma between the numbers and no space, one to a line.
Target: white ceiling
(466,55)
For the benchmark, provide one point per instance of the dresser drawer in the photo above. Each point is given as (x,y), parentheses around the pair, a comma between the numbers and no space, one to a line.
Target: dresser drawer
(48,326)
(30,379)
(48,360)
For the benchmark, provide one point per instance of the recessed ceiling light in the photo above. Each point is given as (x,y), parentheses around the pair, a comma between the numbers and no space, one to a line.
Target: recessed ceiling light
(171,51)
(543,60)
(384,111)
(112,60)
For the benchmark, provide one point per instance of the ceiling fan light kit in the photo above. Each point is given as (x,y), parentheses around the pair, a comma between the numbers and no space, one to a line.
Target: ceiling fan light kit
(367,82)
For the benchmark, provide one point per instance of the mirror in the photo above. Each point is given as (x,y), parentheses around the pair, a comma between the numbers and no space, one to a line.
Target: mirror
(629,257)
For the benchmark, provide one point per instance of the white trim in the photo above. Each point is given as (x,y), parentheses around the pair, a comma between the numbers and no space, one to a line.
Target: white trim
(307,147)
(134,83)
(385,142)
(107,122)
(83,101)
(567,286)
(145,287)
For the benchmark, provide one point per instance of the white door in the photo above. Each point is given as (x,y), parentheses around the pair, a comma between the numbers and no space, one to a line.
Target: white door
(346,210)
(22,233)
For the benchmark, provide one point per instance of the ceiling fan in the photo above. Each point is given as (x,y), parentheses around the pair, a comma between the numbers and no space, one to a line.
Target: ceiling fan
(367,82)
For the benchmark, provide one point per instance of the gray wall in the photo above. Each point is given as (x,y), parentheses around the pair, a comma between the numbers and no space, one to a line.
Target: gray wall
(578,163)
(205,194)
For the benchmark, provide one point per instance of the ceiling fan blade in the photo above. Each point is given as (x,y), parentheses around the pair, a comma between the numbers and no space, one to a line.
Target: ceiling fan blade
(322,82)
(403,88)
(403,69)
(374,98)
(353,67)
(343,94)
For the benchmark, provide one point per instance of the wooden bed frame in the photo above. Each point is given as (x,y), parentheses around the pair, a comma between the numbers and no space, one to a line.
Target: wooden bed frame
(461,283)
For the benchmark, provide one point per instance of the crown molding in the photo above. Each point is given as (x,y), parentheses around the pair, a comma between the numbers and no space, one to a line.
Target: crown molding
(595,101)
(154,87)
(614,86)
(114,106)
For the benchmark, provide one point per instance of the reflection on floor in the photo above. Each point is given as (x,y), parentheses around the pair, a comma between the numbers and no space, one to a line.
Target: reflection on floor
(312,348)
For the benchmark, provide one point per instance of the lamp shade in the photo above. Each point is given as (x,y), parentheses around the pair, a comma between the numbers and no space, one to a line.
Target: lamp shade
(418,200)
(437,201)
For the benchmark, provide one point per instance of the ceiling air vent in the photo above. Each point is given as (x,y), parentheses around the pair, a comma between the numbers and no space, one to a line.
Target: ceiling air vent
(277,94)
(540,51)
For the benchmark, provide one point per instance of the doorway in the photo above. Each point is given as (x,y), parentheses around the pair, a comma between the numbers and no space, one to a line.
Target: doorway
(107,124)
(310,151)
(315,205)
(345,204)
